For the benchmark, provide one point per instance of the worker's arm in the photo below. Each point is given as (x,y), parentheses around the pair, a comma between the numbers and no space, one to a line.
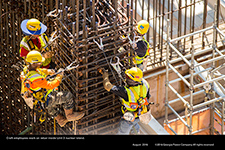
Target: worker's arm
(43,83)
(106,83)
(120,91)
(117,90)
(47,71)
(148,94)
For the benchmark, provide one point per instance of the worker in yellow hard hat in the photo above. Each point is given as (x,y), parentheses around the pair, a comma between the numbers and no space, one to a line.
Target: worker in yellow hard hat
(142,46)
(46,92)
(135,98)
(35,39)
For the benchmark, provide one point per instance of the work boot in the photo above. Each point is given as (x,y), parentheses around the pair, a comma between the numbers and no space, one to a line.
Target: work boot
(72,116)
(61,120)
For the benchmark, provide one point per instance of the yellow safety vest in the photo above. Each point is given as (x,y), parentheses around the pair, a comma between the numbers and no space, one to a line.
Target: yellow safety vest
(136,99)
(39,93)
(29,46)
(138,60)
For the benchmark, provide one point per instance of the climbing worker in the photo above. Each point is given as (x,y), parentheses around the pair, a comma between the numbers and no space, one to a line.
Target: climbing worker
(142,46)
(46,92)
(35,39)
(135,98)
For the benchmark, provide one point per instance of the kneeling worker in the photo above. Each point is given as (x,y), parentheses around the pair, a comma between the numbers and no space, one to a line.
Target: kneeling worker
(135,98)
(34,80)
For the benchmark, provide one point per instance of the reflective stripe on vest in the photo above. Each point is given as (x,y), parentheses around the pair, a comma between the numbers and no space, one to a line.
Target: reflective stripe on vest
(30,46)
(132,100)
(33,78)
(39,93)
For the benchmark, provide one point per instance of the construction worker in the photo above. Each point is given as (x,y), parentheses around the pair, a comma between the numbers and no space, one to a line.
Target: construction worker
(46,92)
(142,46)
(135,98)
(35,39)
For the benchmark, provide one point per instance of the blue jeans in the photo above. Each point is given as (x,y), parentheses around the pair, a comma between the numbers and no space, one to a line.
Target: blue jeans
(125,127)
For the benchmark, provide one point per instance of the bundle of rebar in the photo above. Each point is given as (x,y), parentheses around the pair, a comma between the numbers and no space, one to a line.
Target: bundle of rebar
(92,33)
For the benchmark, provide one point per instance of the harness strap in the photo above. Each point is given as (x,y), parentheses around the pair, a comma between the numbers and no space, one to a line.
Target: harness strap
(135,93)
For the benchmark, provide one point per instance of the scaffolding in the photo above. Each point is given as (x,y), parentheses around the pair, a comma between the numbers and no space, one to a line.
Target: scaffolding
(210,86)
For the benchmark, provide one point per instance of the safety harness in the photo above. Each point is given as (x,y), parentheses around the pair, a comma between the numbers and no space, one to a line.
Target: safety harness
(140,106)
(40,96)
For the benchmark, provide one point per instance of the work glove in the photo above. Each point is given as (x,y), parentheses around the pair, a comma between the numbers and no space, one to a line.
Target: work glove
(105,74)
(51,71)
(106,83)
(60,75)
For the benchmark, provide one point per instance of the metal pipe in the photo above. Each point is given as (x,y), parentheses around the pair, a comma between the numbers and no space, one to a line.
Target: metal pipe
(181,56)
(191,34)
(171,128)
(179,75)
(208,102)
(220,32)
(178,95)
(25,131)
(167,75)
(191,87)
(219,52)
(222,118)
(187,76)
(209,61)
(210,81)
(178,115)
(189,56)
(187,96)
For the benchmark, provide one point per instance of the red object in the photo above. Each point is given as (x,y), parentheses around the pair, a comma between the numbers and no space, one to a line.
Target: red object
(23,52)
(36,42)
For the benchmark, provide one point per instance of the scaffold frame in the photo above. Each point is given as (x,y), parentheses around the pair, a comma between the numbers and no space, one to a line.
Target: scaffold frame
(210,79)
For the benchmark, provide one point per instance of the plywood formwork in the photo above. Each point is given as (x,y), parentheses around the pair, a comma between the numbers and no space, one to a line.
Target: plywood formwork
(201,124)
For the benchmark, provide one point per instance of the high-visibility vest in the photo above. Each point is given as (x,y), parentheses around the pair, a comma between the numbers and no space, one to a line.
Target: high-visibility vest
(137,99)
(39,93)
(138,60)
(28,44)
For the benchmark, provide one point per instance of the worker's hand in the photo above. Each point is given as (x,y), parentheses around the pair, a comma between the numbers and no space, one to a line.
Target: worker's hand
(105,74)
(62,71)
(47,54)
(51,71)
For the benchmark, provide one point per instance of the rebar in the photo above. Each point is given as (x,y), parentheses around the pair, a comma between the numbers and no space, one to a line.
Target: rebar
(94,44)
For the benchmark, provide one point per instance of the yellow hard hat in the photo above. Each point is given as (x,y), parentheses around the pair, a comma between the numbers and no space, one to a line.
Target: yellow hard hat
(34,57)
(135,74)
(33,26)
(142,26)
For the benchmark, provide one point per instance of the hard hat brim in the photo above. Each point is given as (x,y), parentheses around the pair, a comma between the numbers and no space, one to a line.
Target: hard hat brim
(139,31)
(43,59)
(28,32)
